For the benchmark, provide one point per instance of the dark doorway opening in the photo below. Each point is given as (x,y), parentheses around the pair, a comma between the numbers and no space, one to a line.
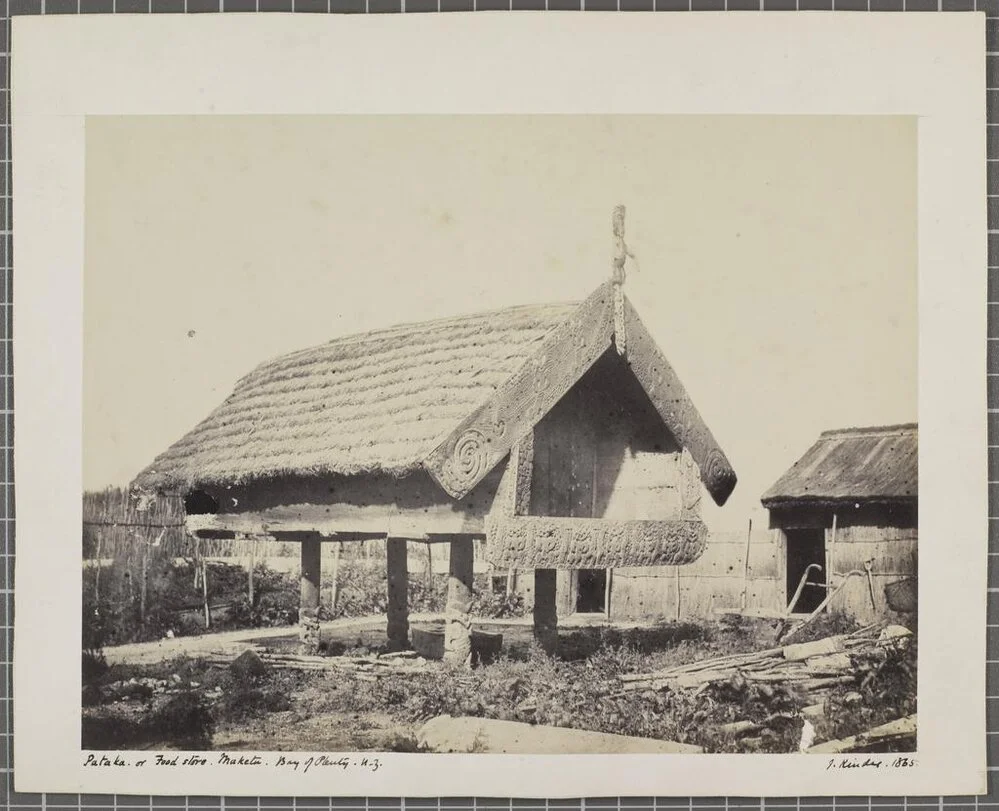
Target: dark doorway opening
(804,548)
(591,591)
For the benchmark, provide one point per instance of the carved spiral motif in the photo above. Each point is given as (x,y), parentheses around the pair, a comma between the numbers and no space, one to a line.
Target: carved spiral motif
(718,476)
(468,461)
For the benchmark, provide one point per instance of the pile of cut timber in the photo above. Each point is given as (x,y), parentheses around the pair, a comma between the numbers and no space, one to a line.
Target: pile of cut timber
(365,668)
(813,667)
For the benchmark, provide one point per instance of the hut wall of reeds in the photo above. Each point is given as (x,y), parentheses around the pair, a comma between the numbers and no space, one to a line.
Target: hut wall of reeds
(849,509)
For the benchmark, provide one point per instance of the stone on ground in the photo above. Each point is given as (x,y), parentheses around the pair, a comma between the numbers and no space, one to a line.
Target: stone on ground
(445,734)
(248,664)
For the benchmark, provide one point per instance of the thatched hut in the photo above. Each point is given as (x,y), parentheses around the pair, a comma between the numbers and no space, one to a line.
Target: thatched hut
(518,427)
(846,514)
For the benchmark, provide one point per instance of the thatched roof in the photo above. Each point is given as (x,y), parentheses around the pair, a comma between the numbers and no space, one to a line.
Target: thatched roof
(451,396)
(372,403)
(878,464)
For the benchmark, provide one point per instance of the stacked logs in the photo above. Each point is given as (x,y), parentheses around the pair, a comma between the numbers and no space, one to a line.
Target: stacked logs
(813,667)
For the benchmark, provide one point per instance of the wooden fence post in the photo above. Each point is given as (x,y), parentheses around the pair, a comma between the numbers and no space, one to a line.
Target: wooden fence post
(97,574)
(142,584)
(204,591)
(745,574)
(337,551)
(253,563)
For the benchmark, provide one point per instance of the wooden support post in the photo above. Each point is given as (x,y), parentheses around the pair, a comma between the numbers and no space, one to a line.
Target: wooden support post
(545,612)
(457,614)
(308,608)
(398,593)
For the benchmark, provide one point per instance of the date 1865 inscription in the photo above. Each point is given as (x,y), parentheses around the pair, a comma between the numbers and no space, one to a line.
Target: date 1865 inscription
(884,763)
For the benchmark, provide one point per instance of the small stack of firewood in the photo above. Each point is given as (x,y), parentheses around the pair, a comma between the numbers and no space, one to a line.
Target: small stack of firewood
(363,667)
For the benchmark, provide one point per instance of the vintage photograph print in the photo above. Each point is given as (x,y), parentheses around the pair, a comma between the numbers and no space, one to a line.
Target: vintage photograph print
(523,434)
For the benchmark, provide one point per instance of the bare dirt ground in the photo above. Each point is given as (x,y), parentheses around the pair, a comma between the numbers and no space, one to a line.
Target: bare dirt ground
(343,631)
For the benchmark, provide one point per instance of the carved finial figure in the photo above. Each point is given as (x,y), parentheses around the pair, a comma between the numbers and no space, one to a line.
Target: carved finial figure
(621,252)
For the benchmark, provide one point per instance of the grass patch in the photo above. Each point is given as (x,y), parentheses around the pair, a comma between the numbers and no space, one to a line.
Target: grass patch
(579,690)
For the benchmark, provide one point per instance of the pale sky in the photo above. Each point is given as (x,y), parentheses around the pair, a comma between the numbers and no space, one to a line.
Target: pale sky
(776,258)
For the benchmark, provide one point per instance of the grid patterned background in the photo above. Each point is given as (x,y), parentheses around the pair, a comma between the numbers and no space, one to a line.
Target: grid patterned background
(14,800)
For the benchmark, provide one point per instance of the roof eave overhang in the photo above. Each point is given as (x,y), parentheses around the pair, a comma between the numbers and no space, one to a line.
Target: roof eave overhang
(784,502)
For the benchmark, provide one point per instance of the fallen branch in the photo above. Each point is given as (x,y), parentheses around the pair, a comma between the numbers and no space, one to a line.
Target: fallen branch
(893,731)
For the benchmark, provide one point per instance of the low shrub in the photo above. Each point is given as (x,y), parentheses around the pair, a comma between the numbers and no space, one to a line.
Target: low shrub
(887,691)
(252,702)
(830,623)
(497,604)
(183,720)
(94,666)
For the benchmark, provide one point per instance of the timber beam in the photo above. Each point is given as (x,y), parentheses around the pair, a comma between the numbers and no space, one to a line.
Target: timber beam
(435,525)
(537,542)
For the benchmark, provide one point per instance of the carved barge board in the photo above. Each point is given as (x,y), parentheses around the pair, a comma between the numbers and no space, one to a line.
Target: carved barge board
(482,439)
(513,495)
(677,410)
(536,542)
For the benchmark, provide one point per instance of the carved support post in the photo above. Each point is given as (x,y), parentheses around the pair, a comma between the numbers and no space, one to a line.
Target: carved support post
(398,593)
(308,609)
(545,613)
(457,616)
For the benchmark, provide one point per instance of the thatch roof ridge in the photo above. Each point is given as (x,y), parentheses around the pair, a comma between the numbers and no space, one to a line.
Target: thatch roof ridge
(867,464)
(424,327)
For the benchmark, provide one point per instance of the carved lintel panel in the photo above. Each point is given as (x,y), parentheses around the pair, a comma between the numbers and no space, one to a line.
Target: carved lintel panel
(536,542)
